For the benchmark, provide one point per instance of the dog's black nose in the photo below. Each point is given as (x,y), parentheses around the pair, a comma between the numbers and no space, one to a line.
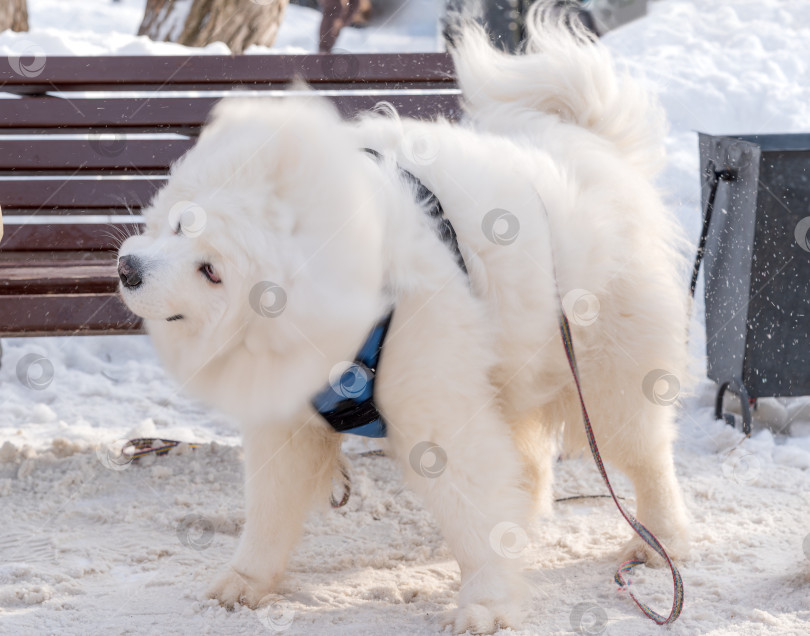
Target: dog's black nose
(129,271)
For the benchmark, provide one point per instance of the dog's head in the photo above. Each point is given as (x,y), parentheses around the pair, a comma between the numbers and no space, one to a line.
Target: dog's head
(260,264)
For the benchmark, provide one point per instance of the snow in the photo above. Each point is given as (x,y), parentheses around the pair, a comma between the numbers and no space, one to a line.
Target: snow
(92,547)
(101,27)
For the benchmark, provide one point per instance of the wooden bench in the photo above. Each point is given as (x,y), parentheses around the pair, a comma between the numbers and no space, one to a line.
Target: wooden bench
(86,141)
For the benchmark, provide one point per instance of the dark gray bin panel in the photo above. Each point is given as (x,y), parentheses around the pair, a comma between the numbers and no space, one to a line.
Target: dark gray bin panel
(757,263)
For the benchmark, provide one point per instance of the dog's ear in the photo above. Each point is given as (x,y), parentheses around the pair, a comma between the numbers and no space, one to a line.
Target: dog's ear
(308,139)
(298,85)
(298,99)
(302,96)
(294,129)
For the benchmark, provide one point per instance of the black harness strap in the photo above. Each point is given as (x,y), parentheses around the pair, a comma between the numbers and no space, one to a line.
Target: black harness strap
(434,207)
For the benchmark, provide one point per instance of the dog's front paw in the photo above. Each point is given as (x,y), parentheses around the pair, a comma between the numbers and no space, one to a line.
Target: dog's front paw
(490,603)
(233,587)
(480,618)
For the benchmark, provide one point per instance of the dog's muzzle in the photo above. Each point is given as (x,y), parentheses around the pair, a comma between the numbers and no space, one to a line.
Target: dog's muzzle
(130,271)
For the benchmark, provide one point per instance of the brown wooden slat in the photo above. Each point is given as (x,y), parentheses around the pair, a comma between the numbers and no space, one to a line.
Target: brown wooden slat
(214,71)
(139,155)
(43,280)
(54,259)
(417,106)
(64,237)
(177,113)
(65,314)
(57,272)
(83,194)
(88,113)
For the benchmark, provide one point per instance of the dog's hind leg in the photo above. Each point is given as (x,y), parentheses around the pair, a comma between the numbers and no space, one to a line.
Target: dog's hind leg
(643,451)
(285,473)
(468,472)
(636,436)
(457,451)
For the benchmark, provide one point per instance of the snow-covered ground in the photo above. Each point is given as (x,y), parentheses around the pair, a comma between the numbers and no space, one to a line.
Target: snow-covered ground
(101,27)
(87,547)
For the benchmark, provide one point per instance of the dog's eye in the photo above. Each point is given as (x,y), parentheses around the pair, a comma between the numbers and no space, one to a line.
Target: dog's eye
(208,271)
(178,230)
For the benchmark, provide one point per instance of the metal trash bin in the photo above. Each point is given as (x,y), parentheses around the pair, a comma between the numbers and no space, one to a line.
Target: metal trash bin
(755,196)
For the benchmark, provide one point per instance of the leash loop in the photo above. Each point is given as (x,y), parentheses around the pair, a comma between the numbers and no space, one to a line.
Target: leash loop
(143,446)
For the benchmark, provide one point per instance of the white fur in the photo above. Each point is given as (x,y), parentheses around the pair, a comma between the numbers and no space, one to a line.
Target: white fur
(557,139)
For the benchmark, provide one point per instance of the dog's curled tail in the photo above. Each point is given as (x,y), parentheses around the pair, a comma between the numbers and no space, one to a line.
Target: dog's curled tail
(564,72)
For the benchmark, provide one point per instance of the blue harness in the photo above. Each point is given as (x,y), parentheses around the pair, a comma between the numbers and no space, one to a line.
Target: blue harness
(347,403)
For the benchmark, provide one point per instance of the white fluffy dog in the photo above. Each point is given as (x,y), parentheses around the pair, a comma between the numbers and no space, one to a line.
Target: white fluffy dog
(549,190)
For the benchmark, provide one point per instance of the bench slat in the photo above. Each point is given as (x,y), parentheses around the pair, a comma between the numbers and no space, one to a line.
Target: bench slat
(64,237)
(47,279)
(184,114)
(217,71)
(66,314)
(137,155)
(63,195)
(85,113)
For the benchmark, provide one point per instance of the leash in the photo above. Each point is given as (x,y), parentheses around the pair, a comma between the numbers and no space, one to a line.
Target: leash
(147,445)
(143,446)
(647,536)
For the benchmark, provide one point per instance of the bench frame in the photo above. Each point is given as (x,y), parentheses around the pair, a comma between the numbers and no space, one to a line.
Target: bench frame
(85,142)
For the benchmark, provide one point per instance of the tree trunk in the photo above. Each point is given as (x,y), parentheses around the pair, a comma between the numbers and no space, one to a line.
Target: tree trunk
(13,15)
(237,23)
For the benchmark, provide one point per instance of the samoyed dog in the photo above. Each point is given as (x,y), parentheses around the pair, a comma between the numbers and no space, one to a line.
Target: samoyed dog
(279,242)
